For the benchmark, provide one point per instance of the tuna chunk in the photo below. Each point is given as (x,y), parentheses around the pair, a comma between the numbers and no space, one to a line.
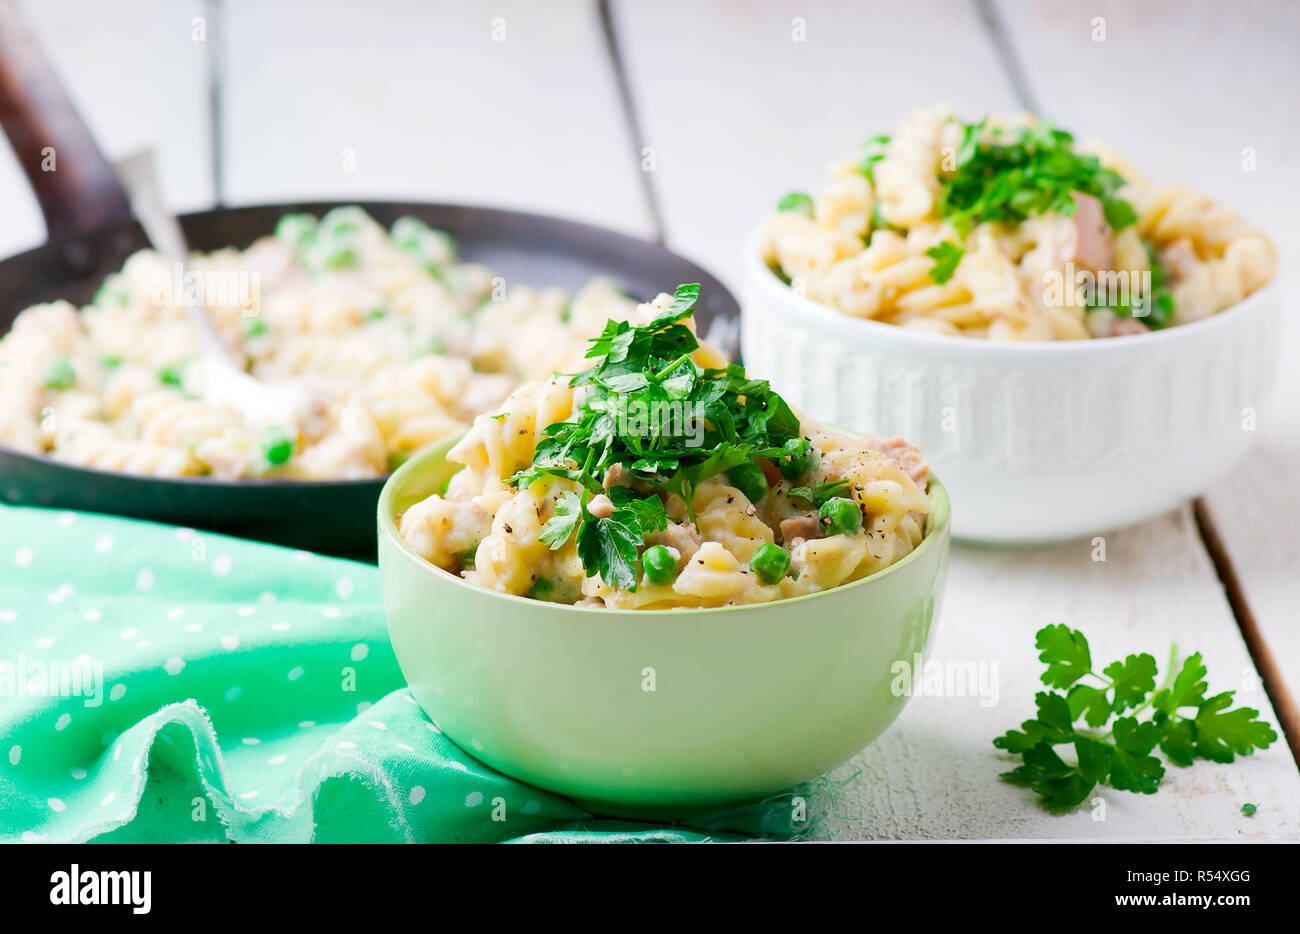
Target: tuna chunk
(1121,326)
(906,453)
(615,476)
(1089,239)
(682,536)
(800,527)
(601,506)
(1179,260)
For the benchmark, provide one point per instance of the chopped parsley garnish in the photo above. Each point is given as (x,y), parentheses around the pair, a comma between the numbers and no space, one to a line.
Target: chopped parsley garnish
(254,327)
(173,375)
(795,201)
(708,422)
(1248,809)
(1010,174)
(878,221)
(1114,743)
(109,295)
(873,150)
(818,495)
(1155,308)
(947,256)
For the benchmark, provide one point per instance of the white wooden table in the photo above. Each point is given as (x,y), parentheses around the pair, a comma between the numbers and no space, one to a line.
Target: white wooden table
(684,121)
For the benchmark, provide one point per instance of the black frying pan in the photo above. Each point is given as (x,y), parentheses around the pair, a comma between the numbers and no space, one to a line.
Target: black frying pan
(91,233)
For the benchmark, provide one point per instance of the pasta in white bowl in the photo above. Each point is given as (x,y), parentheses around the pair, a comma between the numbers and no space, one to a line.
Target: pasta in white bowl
(719,496)
(1005,229)
(1053,403)
(402,341)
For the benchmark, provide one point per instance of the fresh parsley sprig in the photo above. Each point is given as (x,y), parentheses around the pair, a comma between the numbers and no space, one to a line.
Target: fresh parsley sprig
(1013,173)
(710,421)
(947,256)
(818,495)
(1179,719)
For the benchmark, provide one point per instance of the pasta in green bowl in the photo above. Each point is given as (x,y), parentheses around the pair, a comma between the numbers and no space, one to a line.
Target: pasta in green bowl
(548,571)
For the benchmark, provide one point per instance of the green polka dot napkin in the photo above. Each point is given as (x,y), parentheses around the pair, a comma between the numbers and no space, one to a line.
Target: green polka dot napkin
(162,684)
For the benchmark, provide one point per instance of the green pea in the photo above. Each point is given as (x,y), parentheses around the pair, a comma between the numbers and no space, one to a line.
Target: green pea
(797,460)
(59,374)
(108,295)
(277,446)
(660,565)
(408,233)
(543,589)
(338,256)
(438,274)
(437,345)
(294,230)
(412,235)
(770,563)
(749,479)
(840,516)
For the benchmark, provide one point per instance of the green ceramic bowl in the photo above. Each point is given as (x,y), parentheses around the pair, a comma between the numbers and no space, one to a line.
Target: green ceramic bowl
(660,712)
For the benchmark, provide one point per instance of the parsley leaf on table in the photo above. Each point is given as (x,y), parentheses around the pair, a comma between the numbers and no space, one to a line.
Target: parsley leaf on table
(1177,718)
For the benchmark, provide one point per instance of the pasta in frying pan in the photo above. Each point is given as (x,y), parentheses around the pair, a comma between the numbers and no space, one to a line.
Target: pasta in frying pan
(404,342)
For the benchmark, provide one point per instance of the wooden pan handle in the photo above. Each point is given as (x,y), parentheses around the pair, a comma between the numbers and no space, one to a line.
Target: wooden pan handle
(74,183)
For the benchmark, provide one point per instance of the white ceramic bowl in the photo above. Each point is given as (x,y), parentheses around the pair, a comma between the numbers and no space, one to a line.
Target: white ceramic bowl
(1035,441)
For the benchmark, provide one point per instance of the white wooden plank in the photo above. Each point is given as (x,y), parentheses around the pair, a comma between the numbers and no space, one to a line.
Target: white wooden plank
(21,227)
(737,113)
(430,105)
(1183,88)
(738,110)
(139,77)
(933,774)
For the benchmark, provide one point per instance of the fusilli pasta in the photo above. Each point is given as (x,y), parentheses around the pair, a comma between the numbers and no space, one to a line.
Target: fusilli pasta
(402,341)
(1006,230)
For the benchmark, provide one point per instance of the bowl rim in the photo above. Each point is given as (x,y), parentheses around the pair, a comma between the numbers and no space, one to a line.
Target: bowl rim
(764,277)
(941,507)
